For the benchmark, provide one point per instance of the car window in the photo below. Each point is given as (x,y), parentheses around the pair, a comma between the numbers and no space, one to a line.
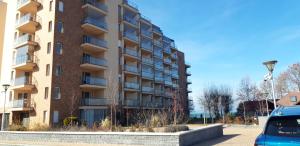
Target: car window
(286,126)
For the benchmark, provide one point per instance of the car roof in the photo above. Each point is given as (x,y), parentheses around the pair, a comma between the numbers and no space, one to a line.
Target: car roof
(286,111)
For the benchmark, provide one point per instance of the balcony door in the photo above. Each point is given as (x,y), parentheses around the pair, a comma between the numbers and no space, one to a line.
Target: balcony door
(86,77)
(86,58)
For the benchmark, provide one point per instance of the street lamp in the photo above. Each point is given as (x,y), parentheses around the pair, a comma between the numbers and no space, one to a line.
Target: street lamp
(270,65)
(5,86)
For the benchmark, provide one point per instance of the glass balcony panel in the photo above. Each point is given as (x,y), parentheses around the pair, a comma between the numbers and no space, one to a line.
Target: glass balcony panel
(96,101)
(96,22)
(94,61)
(147,89)
(131,52)
(23,39)
(131,68)
(23,80)
(97,4)
(147,60)
(26,18)
(131,35)
(132,85)
(23,59)
(94,81)
(95,41)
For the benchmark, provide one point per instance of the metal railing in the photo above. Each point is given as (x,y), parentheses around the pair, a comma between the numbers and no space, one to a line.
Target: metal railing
(93,81)
(96,22)
(147,60)
(131,35)
(131,68)
(132,85)
(86,101)
(95,41)
(131,52)
(26,18)
(23,39)
(147,89)
(97,4)
(94,61)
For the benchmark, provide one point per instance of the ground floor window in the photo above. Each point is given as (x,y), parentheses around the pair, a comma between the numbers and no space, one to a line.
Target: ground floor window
(90,116)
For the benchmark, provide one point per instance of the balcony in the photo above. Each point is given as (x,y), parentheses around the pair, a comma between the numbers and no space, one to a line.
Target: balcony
(158,79)
(94,26)
(24,63)
(158,54)
(131,103)
(91,44)
(130,20)
(130,5)
(131,69)
(131,53)
(131,36)
(93,83)
(174,65)
(187,65)
(92,63)
(132,86)
(27,23)
(147,75)
(94,101)
(26,39)
(146,33)
(167,61)
(167,50)
(159,92)
(166,71)
(174,85)
(23,83)
(148,90)
(156,30)
(169,94)
(148,61)
(157,43)
(189,81)
(189,90)
(96,5)
(174,56)
(28,6)
(175,75)
(188,73)
(21,105)
(147,46)
(158,66)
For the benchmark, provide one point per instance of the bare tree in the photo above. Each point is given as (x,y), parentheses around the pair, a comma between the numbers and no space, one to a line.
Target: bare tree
(226,101)
(206,102)
(294,75)
(73,105)
(112,94)
(281,84)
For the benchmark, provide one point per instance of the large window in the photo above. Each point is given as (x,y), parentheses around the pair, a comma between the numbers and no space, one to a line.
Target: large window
(60,27)
(60,6)
(293,98)
(57,94)
(285,126)
(58,70)
(59,48)
(55,116)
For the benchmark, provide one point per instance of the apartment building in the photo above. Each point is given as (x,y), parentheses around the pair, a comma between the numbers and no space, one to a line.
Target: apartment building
(82,57)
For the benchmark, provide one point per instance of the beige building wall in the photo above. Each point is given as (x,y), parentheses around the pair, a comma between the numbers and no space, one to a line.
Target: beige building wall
(2,31)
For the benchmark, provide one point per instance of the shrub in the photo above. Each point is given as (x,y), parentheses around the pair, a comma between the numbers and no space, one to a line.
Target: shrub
(155,121)
(106,123)
(39,127)
(16,127)
(70,121)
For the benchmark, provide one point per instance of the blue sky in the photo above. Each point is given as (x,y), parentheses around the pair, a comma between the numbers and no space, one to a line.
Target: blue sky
(226,40)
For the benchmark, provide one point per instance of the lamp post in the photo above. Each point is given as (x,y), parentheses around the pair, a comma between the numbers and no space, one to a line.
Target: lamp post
(5,86)
(270,66)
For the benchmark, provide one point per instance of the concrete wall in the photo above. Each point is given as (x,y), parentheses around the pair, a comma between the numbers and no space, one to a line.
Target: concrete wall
(159,139)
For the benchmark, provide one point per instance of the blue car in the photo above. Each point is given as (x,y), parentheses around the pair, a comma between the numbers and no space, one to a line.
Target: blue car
(282,128)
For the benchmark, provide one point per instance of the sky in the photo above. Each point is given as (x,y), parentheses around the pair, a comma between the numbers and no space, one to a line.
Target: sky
(227,40)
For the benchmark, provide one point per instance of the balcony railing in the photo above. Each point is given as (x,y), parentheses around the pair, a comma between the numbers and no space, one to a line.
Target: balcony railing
(96,3)
(20,3)
(131,35)
(147,60)
(174,65)
(23,59)
(159,66)
(146,46)
(23,39)
(166,71)
(168,82)
(169,94)
(132,103)
(158,54)
(159,91)
(159,79)
(175,85)
(157,30)
(94,61)
(174,56)
(130,20)
(157,43)
(95,41)
(147,74)
(132,85)
(96,22)
(26,18)
(22,81)
(93,81)
(131,68)
(146,33)
(96,101)
(167,60)
(147,89)
(22,103)
(131,52)
(175,75)
(167,50)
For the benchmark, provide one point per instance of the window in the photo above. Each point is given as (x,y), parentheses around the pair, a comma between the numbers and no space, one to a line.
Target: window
(16,36)
(58,70)
(57,94)
(10,95)
(46,92)
(285,126)
(60,26)
(55,116)
(49,48)
(47,69)
(50,26)
(50,5)
(60,6)
(293,98)
(12,75)
(58,48)
(44,116)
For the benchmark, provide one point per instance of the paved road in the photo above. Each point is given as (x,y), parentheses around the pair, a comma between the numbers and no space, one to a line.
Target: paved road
(235,136)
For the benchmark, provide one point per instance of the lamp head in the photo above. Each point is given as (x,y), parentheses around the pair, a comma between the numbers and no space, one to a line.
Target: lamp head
(5,86)
(270,65)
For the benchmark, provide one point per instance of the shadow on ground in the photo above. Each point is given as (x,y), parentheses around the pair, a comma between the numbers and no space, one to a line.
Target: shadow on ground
(217,140)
